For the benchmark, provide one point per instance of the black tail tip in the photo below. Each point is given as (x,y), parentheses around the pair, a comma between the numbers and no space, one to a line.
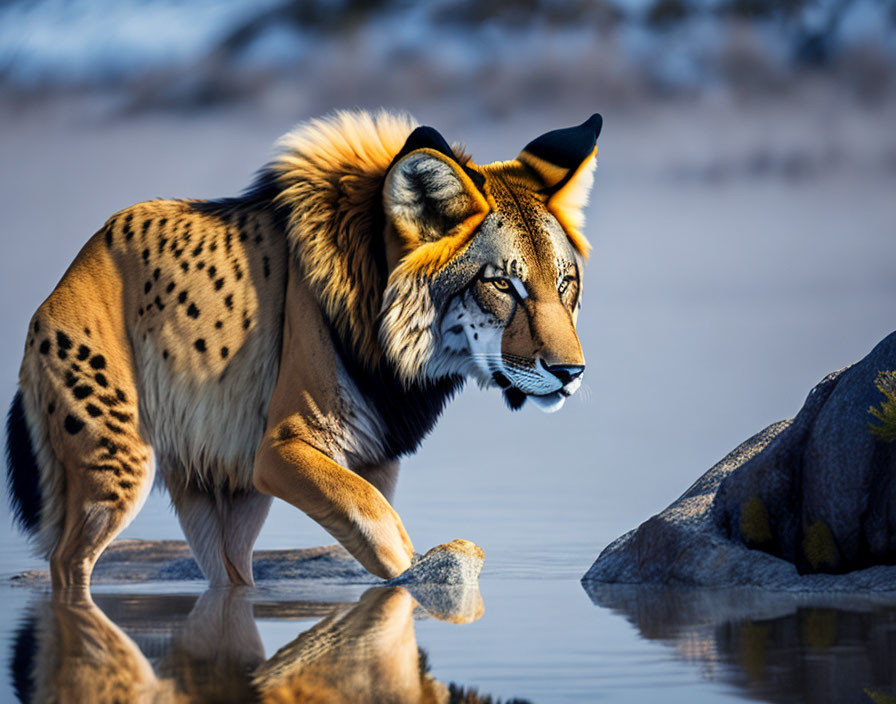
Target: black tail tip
(22,475)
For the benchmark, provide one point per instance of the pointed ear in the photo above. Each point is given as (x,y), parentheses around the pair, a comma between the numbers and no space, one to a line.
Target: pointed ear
(430,198)
(564,161)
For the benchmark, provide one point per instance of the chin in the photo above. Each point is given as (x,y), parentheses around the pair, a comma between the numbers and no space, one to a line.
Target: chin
(548,403)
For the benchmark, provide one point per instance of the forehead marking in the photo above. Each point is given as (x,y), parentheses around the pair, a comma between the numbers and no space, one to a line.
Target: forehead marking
(540,263)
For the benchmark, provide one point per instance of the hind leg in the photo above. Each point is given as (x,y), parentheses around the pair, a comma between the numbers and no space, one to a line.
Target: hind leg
(221,528)
(108,475)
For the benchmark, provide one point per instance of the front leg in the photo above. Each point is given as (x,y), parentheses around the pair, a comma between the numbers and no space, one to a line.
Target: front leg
(348,507)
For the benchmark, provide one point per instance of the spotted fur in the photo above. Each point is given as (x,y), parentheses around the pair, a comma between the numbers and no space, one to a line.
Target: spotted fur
(295,341)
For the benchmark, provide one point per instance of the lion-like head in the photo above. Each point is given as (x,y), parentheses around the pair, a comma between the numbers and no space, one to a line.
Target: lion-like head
(486,264)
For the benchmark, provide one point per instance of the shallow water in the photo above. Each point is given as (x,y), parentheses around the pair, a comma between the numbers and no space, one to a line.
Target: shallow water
(715,299)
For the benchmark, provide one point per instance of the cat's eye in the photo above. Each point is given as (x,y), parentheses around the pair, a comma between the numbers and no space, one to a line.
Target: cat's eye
(565,284)
(501,284)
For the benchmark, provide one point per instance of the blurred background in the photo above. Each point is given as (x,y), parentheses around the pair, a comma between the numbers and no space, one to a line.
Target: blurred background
(743,221)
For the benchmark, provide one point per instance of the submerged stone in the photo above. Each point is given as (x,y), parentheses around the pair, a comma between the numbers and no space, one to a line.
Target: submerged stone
(808,503)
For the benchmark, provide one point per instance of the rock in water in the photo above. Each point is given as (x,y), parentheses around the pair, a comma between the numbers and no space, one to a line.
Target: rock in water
(806,504)
(457,562)
(445,581)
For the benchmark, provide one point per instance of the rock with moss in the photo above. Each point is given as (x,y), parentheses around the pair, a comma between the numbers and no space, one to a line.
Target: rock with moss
(808,503)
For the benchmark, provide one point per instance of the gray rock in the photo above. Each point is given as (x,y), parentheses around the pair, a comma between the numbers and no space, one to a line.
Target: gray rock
(806,504)
(132,561)
(445,581)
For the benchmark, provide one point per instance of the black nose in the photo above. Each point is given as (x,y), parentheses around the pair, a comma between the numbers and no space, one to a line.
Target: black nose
(565,372)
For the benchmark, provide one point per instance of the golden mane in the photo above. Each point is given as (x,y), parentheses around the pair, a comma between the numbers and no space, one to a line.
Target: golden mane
(330,172)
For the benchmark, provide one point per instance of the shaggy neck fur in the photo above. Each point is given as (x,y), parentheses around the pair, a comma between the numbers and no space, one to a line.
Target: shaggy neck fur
(329,177)
(330,174)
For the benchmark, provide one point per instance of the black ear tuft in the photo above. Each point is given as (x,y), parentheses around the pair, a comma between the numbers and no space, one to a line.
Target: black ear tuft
(424,138)
(567,148)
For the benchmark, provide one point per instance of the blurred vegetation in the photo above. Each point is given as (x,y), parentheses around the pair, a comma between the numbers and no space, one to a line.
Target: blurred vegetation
(525,51)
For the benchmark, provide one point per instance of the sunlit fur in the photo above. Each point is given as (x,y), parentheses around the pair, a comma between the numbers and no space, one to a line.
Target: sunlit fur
(295,341)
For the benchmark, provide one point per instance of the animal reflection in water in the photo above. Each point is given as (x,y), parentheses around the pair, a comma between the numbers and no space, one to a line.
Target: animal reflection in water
(70,651)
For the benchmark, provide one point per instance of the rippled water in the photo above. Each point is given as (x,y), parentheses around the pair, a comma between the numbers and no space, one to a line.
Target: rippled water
(716,297)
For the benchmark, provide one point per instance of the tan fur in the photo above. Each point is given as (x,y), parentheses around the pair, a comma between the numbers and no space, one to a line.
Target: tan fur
(201,336)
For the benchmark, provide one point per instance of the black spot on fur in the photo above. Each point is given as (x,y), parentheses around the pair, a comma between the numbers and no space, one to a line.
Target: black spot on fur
(111,497)
(266,265)
(22,474)
(193,311)
(199,345)
(51,408)
(212,270)
(122,417)
(198,250)
(146,255)
(116,470)
(119,394)
(147,286)
(228,301)
(219,284)
(124,484)
(93,411)
(101,380)
(108,236)
(83,352)
(163,222)
(70,379)
(117,429)
(218,324)
(72,424)
(63,340)
(36,327)
(128,232)
(159,304)
(82,392)
(182,297)
(224,352)
(140,311)
(258,239)
(62,354)
(246,323)
(44,347)
(164,354)
(162,242)
(200,265)
(98,362)
(146,226)
(169,288)
(156,273)
(87,332)
(110,446)
(185,266)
